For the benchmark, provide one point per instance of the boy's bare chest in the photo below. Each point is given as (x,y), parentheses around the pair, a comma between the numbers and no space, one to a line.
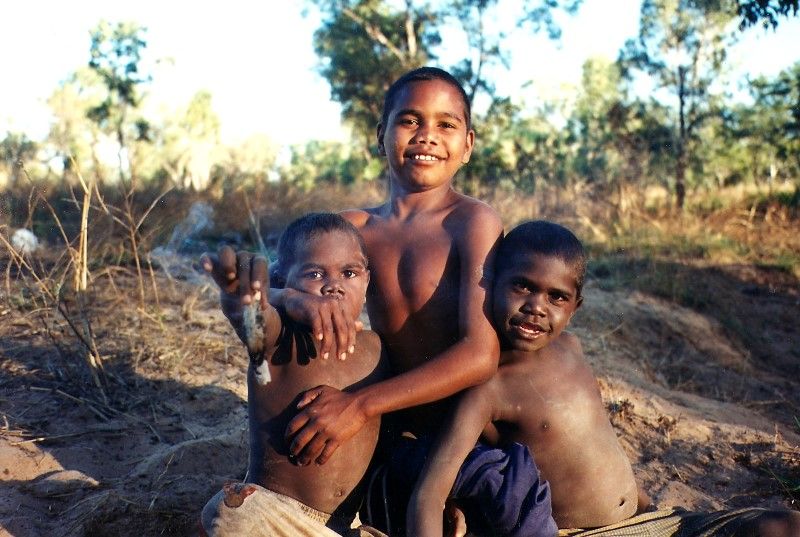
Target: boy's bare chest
(541,407)
(414,268)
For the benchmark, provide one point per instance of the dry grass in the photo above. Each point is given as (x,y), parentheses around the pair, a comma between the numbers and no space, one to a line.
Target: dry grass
(170,371)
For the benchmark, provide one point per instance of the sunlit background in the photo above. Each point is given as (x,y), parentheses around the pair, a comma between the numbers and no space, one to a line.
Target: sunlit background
(258,62)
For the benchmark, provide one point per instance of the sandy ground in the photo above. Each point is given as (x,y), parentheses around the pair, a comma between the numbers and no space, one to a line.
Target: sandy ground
(707,423)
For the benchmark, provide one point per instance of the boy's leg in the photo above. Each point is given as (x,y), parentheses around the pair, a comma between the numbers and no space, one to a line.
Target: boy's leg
(680,522)
(248,509)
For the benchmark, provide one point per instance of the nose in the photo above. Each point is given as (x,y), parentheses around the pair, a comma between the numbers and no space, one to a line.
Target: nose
(535,304)
(333,287)
(424,134)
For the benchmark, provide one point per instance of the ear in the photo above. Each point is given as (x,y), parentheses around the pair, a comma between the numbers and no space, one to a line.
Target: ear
(578,303)
(380,131)
(470,143)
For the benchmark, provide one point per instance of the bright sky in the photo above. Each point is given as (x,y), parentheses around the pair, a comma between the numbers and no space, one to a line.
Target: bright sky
(257,59)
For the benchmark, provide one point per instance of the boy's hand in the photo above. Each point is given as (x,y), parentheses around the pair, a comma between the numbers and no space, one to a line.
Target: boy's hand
(328,417)
(241,277)
(456,521)
(330,322)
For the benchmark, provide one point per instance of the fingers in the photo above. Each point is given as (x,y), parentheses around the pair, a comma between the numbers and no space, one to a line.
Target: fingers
(345,332)
(299,443)
(329,449)
(259,274)
(243,262)
(292,428)
(312,450)
(325,329)
(227,264)
(338,330)
(331,324)
(309,396)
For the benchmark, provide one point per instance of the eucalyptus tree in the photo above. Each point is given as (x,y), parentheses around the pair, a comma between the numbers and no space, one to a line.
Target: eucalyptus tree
(765,12)
(775,120)
(115,55)
(15,149)
(73,136)
(364,45)
(190,143)
(682,47)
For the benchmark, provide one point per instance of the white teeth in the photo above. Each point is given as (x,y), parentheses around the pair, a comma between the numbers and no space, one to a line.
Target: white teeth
(424,157)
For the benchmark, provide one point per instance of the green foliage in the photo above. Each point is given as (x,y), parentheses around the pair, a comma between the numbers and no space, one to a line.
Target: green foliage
(15,149)
(682,46)
(764,12)
(327,163)
(540,15)
(188,144)
(115,54)
(364,45)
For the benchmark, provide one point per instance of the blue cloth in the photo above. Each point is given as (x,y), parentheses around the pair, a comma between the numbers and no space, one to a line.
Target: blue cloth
(502,493)
(498,489)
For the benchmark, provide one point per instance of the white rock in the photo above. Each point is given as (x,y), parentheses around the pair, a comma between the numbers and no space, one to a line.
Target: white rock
(24,241)
(60,482)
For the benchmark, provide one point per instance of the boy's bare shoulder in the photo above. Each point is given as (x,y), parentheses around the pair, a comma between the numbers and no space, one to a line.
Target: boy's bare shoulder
(473,210)
(360,217)
(370,341)
(570,342)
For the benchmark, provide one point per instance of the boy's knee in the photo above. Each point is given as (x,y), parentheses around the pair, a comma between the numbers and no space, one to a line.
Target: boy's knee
(778,524)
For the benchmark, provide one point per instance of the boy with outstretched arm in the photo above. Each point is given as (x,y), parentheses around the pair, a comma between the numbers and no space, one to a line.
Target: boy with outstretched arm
(545,396)
(320,254)
(431,252)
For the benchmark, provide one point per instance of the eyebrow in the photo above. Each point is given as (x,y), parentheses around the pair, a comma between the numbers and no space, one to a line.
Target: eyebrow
(526,281)
(355,264)
(413,112)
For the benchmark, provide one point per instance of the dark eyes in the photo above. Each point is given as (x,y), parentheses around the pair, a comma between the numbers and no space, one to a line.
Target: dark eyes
(520,286)
(317,274)
(525,288)
(415,121)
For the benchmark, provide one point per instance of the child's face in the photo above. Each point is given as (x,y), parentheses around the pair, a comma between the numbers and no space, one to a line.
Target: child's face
(534,299)
(331,264)
(425,138)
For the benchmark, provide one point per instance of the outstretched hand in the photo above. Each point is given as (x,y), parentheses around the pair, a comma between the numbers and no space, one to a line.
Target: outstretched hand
(328,417)
(241,278)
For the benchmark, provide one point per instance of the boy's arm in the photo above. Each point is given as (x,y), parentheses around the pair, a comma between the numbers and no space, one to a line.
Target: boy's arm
(456,440)
(329,417)
(268,324)
(241,277)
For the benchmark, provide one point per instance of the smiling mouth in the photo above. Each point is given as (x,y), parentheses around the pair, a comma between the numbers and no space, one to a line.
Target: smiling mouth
(528,330)
(428,158)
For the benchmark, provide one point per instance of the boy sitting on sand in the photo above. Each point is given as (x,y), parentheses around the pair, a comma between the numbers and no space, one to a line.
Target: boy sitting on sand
(545,396)
(321,254)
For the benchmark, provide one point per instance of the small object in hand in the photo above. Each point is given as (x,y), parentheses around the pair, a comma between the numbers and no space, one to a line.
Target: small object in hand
(253,322)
